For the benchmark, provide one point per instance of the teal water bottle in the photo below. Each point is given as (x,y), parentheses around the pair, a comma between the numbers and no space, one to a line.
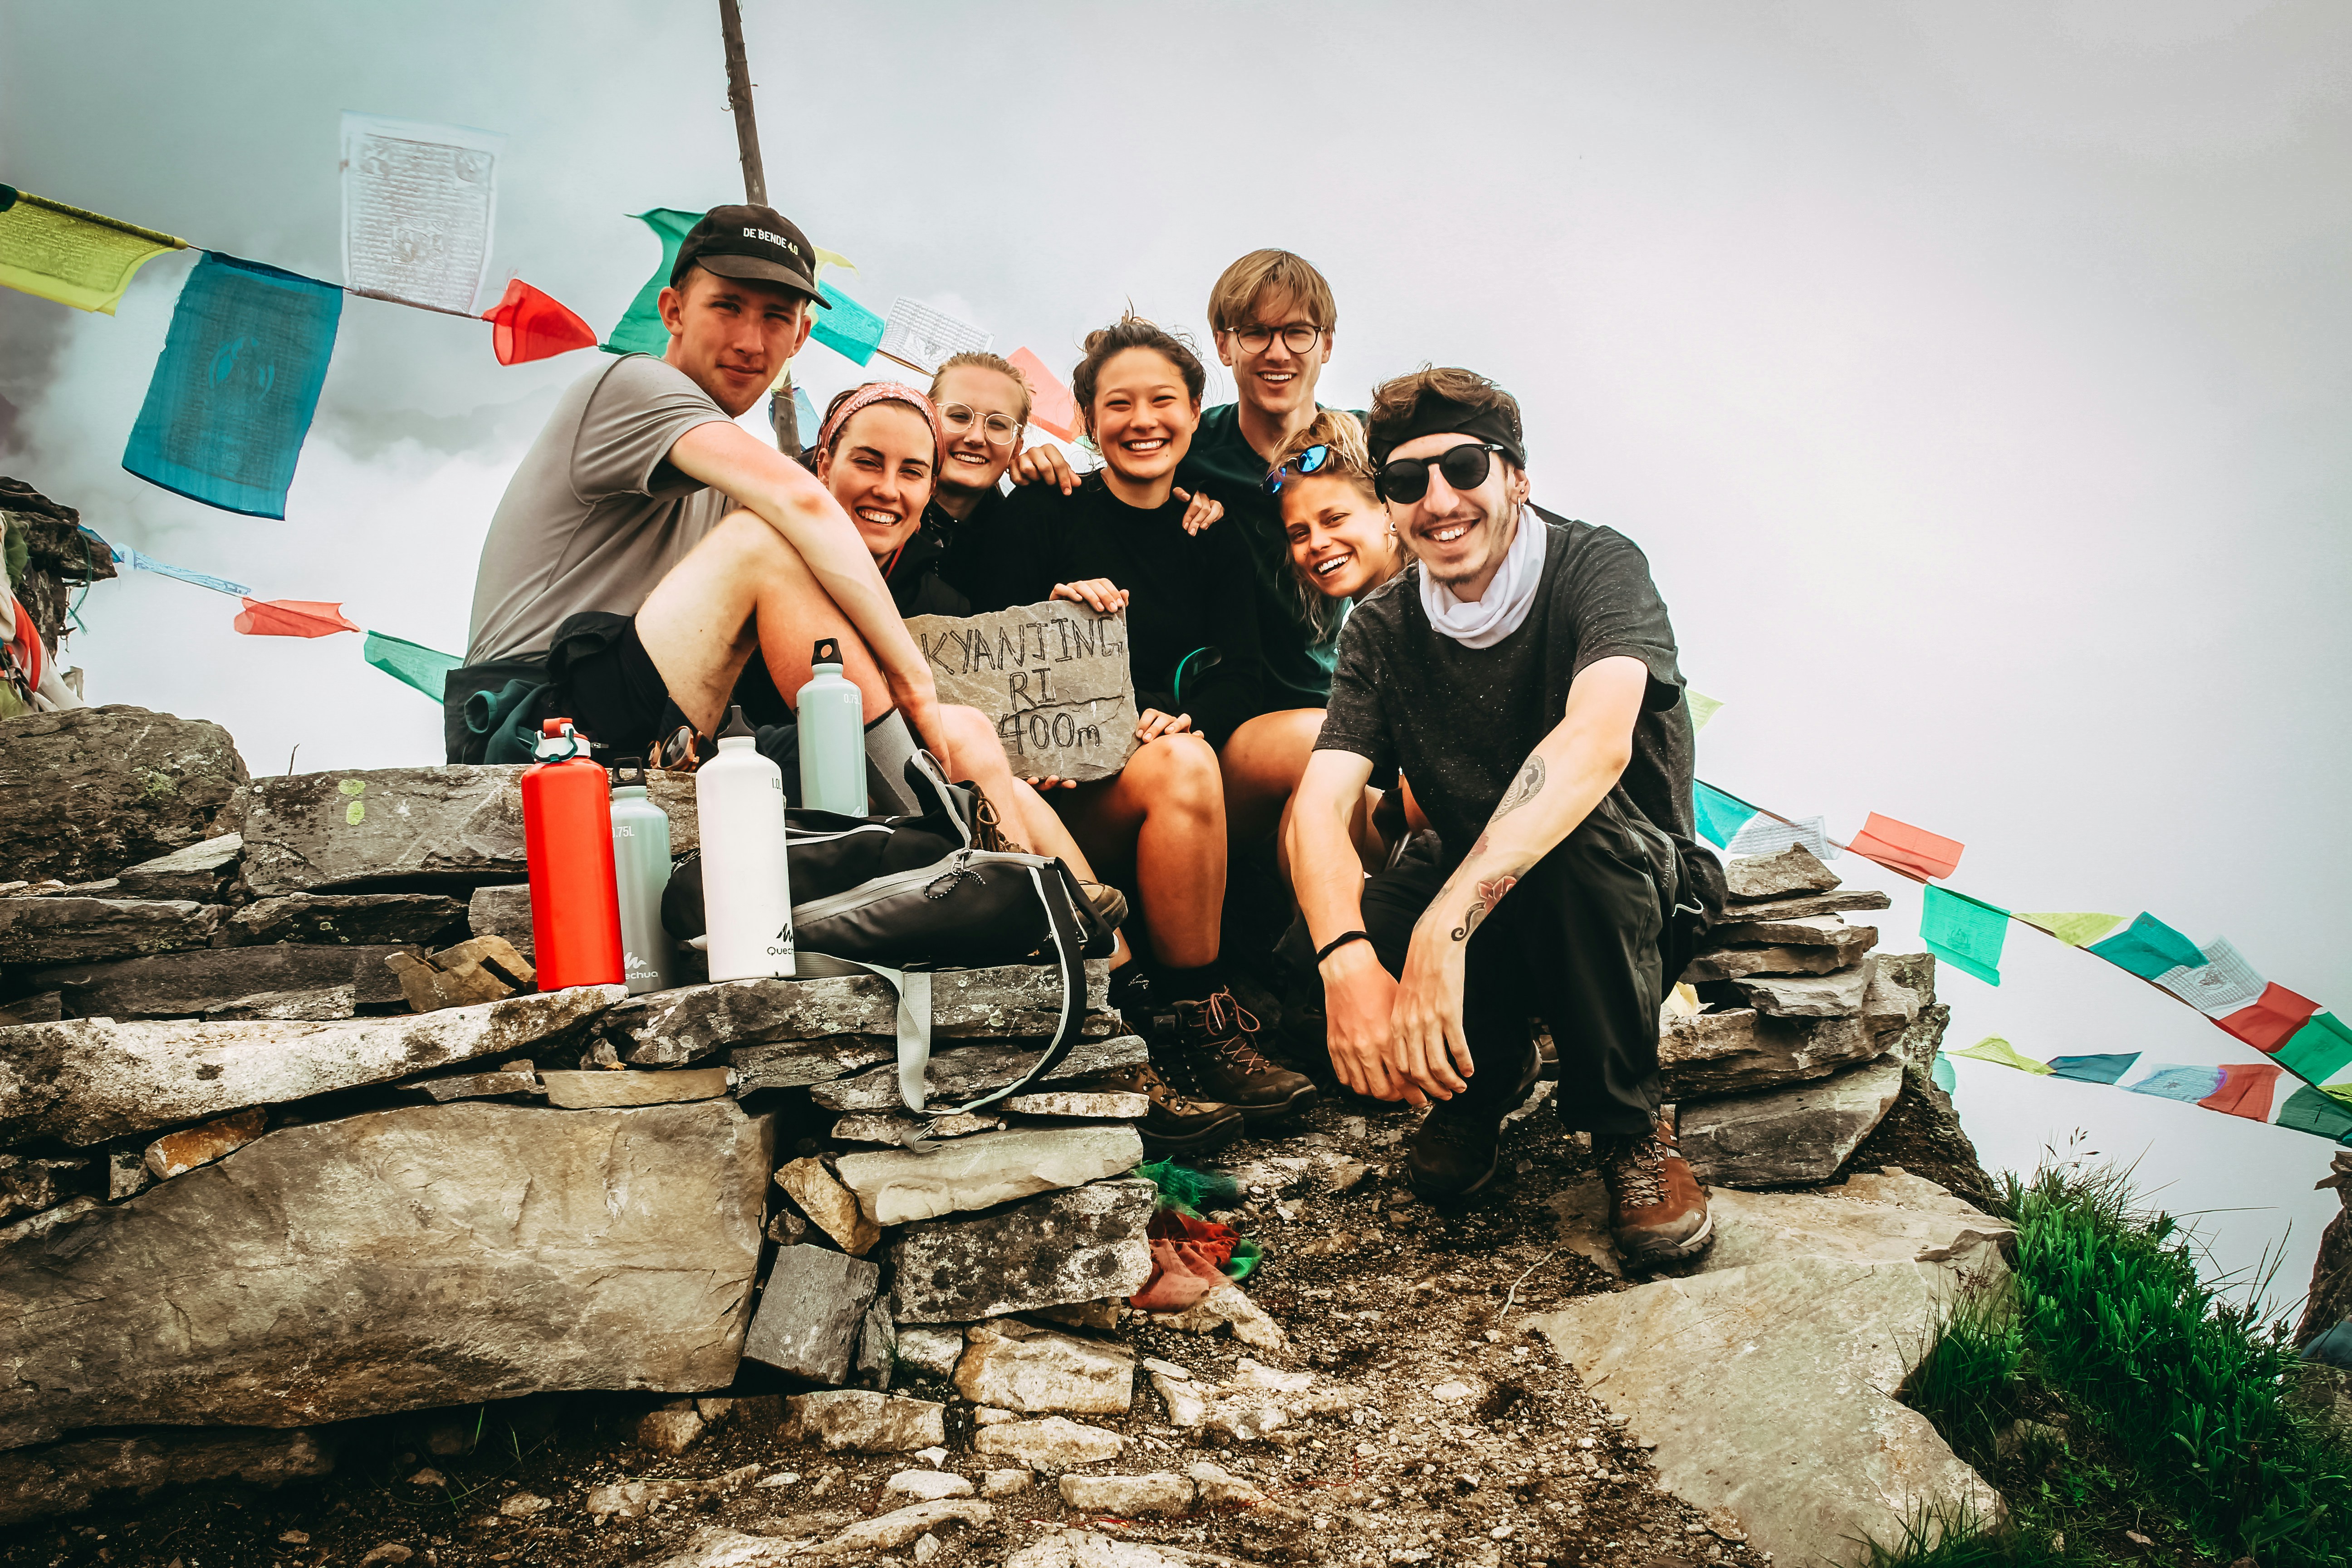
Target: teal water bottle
(640,870)
(832,735)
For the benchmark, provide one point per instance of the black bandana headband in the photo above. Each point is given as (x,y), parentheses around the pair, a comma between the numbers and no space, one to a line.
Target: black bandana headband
(1435,416)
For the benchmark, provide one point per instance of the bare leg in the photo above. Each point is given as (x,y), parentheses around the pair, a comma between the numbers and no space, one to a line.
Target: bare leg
(1165,818)
(744,590)
(1262,761)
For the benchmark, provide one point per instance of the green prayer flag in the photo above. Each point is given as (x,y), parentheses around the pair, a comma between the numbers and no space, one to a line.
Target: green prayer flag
(640,331)
(410,664)
(2319,1050)
(1993,1048)
(2148,948)
(2310,1110)
(2078,928)
(1702,707)
(848,327)
(1720,815)
(1965,932)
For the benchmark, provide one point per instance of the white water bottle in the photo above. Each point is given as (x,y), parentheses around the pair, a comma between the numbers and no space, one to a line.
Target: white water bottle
(747,900)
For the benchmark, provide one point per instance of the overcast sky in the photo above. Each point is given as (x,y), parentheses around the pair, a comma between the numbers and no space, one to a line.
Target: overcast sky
(1975,379)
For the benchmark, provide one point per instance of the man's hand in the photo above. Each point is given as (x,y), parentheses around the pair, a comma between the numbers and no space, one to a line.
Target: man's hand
(1428,1047)
(1154,724)
(1044,462)
(1359,999)
(1200,510)
(1101,594)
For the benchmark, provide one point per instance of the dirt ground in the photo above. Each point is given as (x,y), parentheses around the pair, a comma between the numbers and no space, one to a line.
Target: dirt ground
(1471,1444)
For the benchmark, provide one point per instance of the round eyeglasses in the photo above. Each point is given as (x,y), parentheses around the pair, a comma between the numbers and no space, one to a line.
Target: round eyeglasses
(1000,429)
(1306,462)
(1299,337)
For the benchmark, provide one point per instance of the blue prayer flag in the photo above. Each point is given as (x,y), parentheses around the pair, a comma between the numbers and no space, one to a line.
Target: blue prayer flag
(1720,815)
(805,415)
(2191,1084)
(217,584)
(1965,932)
(2093,1069)
(232,394)
(849,329)
(2147,947)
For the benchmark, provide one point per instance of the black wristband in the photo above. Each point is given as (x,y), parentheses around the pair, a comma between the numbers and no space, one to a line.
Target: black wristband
(1337,942)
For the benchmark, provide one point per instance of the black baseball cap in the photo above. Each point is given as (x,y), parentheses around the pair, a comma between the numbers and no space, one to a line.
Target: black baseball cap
(757,244)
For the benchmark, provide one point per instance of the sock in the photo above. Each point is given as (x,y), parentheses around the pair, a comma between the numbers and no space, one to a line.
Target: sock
(888,743)
(1175,985)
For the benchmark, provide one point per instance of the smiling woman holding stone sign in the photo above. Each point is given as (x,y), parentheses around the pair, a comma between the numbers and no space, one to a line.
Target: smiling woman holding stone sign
(1118,542)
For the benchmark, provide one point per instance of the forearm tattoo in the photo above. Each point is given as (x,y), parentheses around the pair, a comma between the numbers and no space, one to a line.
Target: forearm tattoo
(1488,892)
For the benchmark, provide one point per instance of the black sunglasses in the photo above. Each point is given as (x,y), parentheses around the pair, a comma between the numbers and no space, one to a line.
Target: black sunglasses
(1306,462)
(1406,479)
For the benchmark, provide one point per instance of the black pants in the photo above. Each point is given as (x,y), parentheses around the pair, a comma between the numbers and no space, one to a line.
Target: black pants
(1576,943)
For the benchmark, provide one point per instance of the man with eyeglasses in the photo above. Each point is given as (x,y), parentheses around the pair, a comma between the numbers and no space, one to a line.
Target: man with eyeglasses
(1522,672)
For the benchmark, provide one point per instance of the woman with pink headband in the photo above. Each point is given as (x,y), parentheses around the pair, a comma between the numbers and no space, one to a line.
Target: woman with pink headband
(878,452)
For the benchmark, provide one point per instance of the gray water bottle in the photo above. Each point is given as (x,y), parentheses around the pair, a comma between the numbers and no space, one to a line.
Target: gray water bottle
(641,870)
(832,713)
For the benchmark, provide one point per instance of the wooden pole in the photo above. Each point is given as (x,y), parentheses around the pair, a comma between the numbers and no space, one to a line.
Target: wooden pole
(783,418)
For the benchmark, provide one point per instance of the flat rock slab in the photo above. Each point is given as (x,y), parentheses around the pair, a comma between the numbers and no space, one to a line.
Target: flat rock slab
(872,1127)
(1810,931)
(283,980)
(503,911)
(1914,970)
(1731,962)
(67,1478)
(1710,1055)
(1082,1244)
(1769,1391)
(1802,905)
(970,1071)
(1052,1443)
(592,1091)
(865,1423)
(1014,1365)
(92,1078)
(1080,1105)
(811,1312)
(432,828)
(196,872)
(402,1259)
(86,793)
(1837,994)
(65,929)
(1787,1137)
(1752,878)
(896,1185)
(693,1021)
(351,919)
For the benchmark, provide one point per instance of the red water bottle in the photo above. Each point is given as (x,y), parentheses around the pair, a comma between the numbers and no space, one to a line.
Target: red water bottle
(567,837)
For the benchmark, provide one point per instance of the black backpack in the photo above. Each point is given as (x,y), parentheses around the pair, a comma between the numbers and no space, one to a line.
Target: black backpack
(899,897)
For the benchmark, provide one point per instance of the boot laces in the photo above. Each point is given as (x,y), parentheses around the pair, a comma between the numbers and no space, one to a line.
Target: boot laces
(1637,1170)
(1230,1028)
(1163,1093)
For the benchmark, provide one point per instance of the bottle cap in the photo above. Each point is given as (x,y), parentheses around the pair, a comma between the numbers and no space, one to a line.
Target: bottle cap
(828,651)
(629,773)
(737,727)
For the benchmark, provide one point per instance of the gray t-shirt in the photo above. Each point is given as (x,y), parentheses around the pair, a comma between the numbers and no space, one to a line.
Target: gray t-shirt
(595,515)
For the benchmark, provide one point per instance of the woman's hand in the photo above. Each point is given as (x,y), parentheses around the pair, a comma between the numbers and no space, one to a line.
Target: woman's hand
(1200,510)
(1155,724)
(1044,463)
(1099,594)
(1052,781)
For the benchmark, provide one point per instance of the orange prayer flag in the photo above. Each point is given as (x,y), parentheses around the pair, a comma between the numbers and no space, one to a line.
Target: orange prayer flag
(529,324)
(1050,406)
(2245,1090)
(2271,1021)
(292,618)
(1899,846)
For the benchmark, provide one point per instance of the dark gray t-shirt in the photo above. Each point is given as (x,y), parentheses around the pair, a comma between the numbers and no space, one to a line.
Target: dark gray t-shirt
(1460,722)
(596,514)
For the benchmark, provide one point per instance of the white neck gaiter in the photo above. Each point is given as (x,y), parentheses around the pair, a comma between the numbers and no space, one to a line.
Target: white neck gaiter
(1508,597)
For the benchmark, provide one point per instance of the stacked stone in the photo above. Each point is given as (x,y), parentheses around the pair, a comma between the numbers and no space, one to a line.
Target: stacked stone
(1803,1036)
(286,1137)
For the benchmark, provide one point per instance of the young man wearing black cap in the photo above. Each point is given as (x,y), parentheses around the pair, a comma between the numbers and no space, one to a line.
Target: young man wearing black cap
(648,547)
(1522,673)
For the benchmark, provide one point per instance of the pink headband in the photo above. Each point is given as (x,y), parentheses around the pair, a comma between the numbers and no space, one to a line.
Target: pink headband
(875,392)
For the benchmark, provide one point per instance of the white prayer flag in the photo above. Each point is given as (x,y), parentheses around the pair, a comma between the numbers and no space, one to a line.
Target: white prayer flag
(2217,987)
(419,205)
(1763,835)
(923,335)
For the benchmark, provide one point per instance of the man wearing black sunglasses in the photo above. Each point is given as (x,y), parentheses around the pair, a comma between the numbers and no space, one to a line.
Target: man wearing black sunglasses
(1522,673)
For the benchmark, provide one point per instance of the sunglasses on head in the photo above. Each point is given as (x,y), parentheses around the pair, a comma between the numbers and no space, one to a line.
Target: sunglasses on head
(1406,479)
(1306,462)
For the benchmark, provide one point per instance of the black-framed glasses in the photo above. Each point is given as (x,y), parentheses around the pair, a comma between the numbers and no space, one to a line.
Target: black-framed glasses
(1000,429)
(1306,462)
(1406,479)
(1299,337)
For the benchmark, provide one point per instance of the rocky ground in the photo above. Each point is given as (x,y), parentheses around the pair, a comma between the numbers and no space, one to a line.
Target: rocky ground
(1467,1442)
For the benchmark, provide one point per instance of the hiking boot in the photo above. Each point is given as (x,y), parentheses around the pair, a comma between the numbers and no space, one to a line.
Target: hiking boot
(1108,903)
(1212,1053)
(1657,1210)
(1454,1153)
(1176,1123)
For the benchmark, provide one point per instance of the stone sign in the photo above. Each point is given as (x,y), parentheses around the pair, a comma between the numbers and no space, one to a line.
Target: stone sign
(1053,675)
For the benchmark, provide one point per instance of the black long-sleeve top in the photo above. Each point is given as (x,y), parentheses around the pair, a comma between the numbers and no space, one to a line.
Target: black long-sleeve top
(1188,592)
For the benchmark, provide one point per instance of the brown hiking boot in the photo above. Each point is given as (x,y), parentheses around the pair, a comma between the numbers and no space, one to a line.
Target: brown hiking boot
(1212,1053)
(1176,1123)
(1657,1210)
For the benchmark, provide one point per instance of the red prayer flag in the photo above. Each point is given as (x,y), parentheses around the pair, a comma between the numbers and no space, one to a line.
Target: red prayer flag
(2245,1090)
(1050,406)
(1899,846)
(2272,1021)
(292,618)
(528,325)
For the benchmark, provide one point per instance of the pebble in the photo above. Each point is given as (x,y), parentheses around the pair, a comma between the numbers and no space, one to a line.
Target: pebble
(523,1505)
(428,1477)
(781,1478)
(927,1546)
(389,1552)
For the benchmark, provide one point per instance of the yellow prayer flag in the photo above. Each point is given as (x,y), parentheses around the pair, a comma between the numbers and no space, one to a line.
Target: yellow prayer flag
(834,259)
(73,257)
(1702,707)
(1993,1048)
(2075,929)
